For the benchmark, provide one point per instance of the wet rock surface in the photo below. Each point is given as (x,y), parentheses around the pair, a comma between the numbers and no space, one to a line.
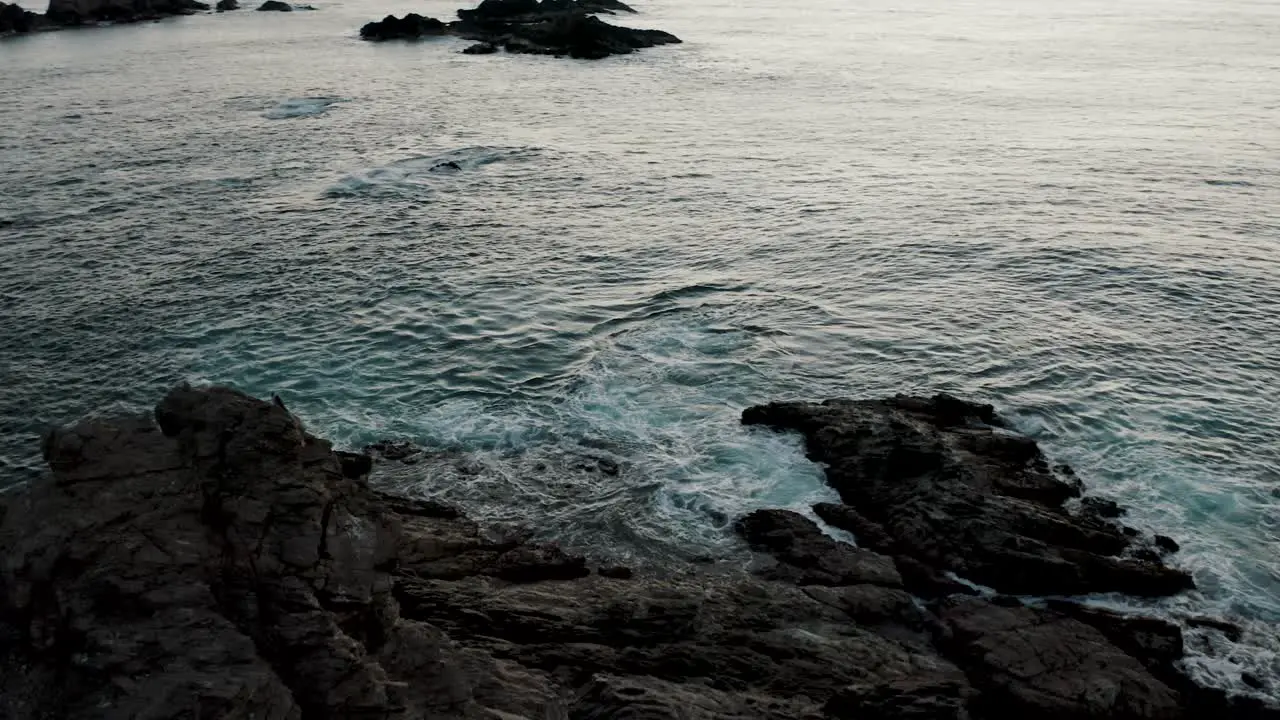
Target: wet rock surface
(946,483)
(565,28)
(219,561)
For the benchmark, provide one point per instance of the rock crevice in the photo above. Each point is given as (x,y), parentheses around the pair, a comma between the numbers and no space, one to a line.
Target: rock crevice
(220,561)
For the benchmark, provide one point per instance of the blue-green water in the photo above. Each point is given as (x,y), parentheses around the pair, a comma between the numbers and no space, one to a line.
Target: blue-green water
(1069,211)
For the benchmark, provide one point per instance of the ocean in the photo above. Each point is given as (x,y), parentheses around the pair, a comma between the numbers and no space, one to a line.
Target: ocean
(1070,210)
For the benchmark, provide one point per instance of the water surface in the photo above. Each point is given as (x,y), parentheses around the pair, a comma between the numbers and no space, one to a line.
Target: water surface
(1070,211)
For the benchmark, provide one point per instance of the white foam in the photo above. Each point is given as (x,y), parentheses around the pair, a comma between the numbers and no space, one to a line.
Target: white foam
(301,107)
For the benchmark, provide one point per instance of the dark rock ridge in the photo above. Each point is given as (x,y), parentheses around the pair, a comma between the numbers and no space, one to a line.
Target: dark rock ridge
(410,26)
(219,561)
(550,27)
(14,19)
(75,13)
(90,12)
(72,13)
(946,484)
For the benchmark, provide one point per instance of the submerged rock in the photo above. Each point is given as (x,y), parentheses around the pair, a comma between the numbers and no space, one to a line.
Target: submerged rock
(220,561)
(944,482)
(225,5)
(275,6)
(408,27)
(483,48)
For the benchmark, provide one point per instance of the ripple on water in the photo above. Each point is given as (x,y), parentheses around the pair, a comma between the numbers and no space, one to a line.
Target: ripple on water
(418,176)
(301,107)
(535,262)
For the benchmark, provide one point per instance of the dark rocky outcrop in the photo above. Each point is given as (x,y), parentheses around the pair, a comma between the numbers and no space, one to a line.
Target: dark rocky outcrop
(550,27)
(408,27)
(14,19)
(275,6)
(89,12)
(948,484)
(227,5)
(220,561)
(573,33)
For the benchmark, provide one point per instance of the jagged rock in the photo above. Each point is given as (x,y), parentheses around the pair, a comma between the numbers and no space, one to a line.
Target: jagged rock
(1102,507)
(219,561)
(226,5)
(14,19)
(618,572)
(808,557)
(409,27)
(1042,664)
(945,482)
(393,449)
(275,6)
(555,27)
(580,36)
(88,12)
(551,27)
(1167,544)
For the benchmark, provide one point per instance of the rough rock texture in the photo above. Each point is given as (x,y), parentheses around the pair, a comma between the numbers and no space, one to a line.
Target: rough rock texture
(88,12)
(226,5)
(409,27)
(275,6)
(219,561)
(1045,665)
(946,483)
(13,19)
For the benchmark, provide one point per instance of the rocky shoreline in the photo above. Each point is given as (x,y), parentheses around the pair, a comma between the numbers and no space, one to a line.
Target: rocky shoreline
(219,561)
(562,28)
(87,13)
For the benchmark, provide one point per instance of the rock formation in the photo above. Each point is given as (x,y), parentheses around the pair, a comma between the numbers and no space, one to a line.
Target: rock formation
(89,12)
(408,27)
(14,19)
(550,27)
(275,6)
(219,561)
(944,483)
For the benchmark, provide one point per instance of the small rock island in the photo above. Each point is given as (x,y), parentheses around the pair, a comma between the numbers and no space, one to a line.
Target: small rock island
(217,560)
(564,28)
